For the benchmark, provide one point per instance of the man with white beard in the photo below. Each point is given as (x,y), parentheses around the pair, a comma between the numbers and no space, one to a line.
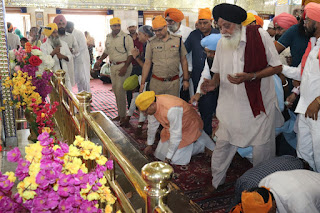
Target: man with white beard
(247,107)
(59,51)
(81,60)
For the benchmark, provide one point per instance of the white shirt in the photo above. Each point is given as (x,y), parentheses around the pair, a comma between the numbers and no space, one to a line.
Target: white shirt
(205,74)
(71,41)
(310,79)
(238,124)
(295,191)
(175,119)
(13,41)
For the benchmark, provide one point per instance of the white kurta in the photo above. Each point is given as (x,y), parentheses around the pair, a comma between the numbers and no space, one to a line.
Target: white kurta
(295,191)
(204,75)
(13,41)
(169,149)
(47,48)
(82,62)
(308,146)
(237,123)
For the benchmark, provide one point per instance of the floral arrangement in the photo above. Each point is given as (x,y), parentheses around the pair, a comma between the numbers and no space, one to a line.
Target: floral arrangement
(54,178)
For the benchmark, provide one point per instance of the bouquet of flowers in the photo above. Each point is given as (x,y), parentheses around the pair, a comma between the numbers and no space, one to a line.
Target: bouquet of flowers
(54,178)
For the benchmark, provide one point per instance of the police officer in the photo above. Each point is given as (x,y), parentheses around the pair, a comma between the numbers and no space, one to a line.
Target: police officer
(165,51)
(118,48)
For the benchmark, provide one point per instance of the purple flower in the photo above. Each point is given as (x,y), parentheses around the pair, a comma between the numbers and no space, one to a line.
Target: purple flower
(17,198)
(14,155)
(64,147)
(64,180)
(77,200)
(43,136)
(65,206)
(47,151)
(81,179)
(31,70)
(22,170)
(6,185)
(6,204)
(40,202)
(53,200)
(42,180)
(65,191)
(95,188)
(92,178)
(109,164)
(87,206)
(59,153)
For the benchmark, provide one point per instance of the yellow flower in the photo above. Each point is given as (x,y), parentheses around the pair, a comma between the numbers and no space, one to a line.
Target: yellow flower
(30,182)
(11,176)
(108,209)
(84,168)
(46,129)
(78,140)
(43,115)
(28,195)
(101,160)
(21,187)
(103,180)
(34,169)
(93,196)
(55,187)
(73,151)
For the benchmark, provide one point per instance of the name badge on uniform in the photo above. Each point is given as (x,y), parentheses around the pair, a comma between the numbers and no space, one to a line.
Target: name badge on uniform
(175,46)
(158,48)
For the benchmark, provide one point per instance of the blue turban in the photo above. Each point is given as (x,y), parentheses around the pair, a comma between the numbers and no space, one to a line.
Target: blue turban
(210,41)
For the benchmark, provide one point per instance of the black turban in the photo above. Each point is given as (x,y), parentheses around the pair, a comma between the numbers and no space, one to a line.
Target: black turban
(229,12)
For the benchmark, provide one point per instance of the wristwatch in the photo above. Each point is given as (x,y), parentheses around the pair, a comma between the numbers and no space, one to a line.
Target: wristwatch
(254,76)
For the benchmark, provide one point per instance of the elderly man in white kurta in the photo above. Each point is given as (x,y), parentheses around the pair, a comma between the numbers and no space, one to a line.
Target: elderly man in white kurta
(246,117)
(308,72)
(81,59)
(59,51)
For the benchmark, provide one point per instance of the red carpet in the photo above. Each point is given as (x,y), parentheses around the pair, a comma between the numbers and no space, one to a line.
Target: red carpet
(192,179)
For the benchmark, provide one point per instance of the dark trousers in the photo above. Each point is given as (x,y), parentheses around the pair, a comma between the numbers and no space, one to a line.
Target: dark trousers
(136,70)
(207,106)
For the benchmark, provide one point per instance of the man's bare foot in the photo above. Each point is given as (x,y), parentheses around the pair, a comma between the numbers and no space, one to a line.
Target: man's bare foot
(209,190)
(124,122)
(207,152)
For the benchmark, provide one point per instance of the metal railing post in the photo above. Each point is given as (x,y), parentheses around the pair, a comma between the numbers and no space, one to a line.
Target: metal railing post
(157,176)
(84,101)
(60,75)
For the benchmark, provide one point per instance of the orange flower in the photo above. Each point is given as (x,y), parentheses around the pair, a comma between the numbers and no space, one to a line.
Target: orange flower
(28,47)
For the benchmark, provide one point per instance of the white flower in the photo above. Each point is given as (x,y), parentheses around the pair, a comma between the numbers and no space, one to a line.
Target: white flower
(47,63)
(12,56)
(36,52)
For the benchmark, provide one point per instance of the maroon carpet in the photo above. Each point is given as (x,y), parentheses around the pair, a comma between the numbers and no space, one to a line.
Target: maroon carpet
(192,179)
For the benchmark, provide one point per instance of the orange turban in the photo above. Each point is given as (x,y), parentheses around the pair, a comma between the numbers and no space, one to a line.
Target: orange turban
(175,14)
(305,2)
(312,11)
(60,18)
(285,20)
(252,202)
(115,21)
(205,13)
(259,20)
(158,22)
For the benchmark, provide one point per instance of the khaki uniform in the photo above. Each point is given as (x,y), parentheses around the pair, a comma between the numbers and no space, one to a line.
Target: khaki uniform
(118,49)
(165,56)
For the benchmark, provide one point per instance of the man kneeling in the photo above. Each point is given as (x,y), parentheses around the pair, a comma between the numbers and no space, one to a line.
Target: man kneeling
(182,135)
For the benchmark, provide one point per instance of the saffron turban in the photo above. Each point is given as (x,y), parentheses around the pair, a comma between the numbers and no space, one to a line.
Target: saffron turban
(253,202)
(285,20)
(305,2)
(204,13)
(313,11)
(49,29)
(229,12)
(131,83)
(60,19)
(249,20)
(175,14)
(259,20)
(115,21)
(210,41)
(158,22)
(145,99)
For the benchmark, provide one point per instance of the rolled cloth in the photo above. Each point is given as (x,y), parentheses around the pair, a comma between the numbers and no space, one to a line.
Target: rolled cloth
(175,14)
(259,20)
(253,202)
(249,20)
(115,21)
(147,30)
(132,23)
(313,11)
(158,22)
(49,29)
(285,20)
(229,12)
(271,25)
(204,13)
(60,18)
(210,41)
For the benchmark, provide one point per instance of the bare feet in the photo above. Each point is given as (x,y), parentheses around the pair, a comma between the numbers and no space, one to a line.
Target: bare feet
(209,190)
(207,152)
(124,122)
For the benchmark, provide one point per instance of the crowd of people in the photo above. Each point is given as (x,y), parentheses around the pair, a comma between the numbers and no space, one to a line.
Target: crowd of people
(259,84)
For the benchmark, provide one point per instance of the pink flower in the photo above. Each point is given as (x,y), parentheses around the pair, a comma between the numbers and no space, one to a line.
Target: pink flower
(6,185)
(22,170)
(109,164)
(14,155)
(42,180)
(65,206)
(53,200)
(65,191)
(47,151)
(87,206)
(64,147)
(64,180)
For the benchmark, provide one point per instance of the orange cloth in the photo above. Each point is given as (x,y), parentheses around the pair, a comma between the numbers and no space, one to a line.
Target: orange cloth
(115,21)
(175,14)
(10,27)
(252,202)
(305,2)
(205,13)
(285,20)
(259,20)
(236,209)
(192,124)
(60,18)
(158,22)
(312,11)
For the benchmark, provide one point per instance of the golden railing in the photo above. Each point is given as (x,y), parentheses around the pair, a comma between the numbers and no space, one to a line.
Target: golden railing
(74,117)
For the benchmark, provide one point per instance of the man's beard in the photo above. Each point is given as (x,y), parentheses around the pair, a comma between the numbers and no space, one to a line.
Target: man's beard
(62,31)
(310,32)
(55,41)
(174,27)
(231,41)
(277,36)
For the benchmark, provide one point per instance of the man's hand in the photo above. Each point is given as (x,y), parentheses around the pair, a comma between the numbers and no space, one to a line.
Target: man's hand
(123,70)
(185,85)
(290,99)
(207,86)
(135,52)
(239,78)
(312,110)
(97,65)
(141,88)
(195,98)
(148,150)
(55,51)
(60,56)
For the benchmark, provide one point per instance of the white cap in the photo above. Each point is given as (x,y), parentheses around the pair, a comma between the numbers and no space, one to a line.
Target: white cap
(271,25)
(253,12)
(131,23)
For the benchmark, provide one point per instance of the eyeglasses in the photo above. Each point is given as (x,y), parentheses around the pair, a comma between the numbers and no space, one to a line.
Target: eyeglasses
(158,30)
(170,21)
